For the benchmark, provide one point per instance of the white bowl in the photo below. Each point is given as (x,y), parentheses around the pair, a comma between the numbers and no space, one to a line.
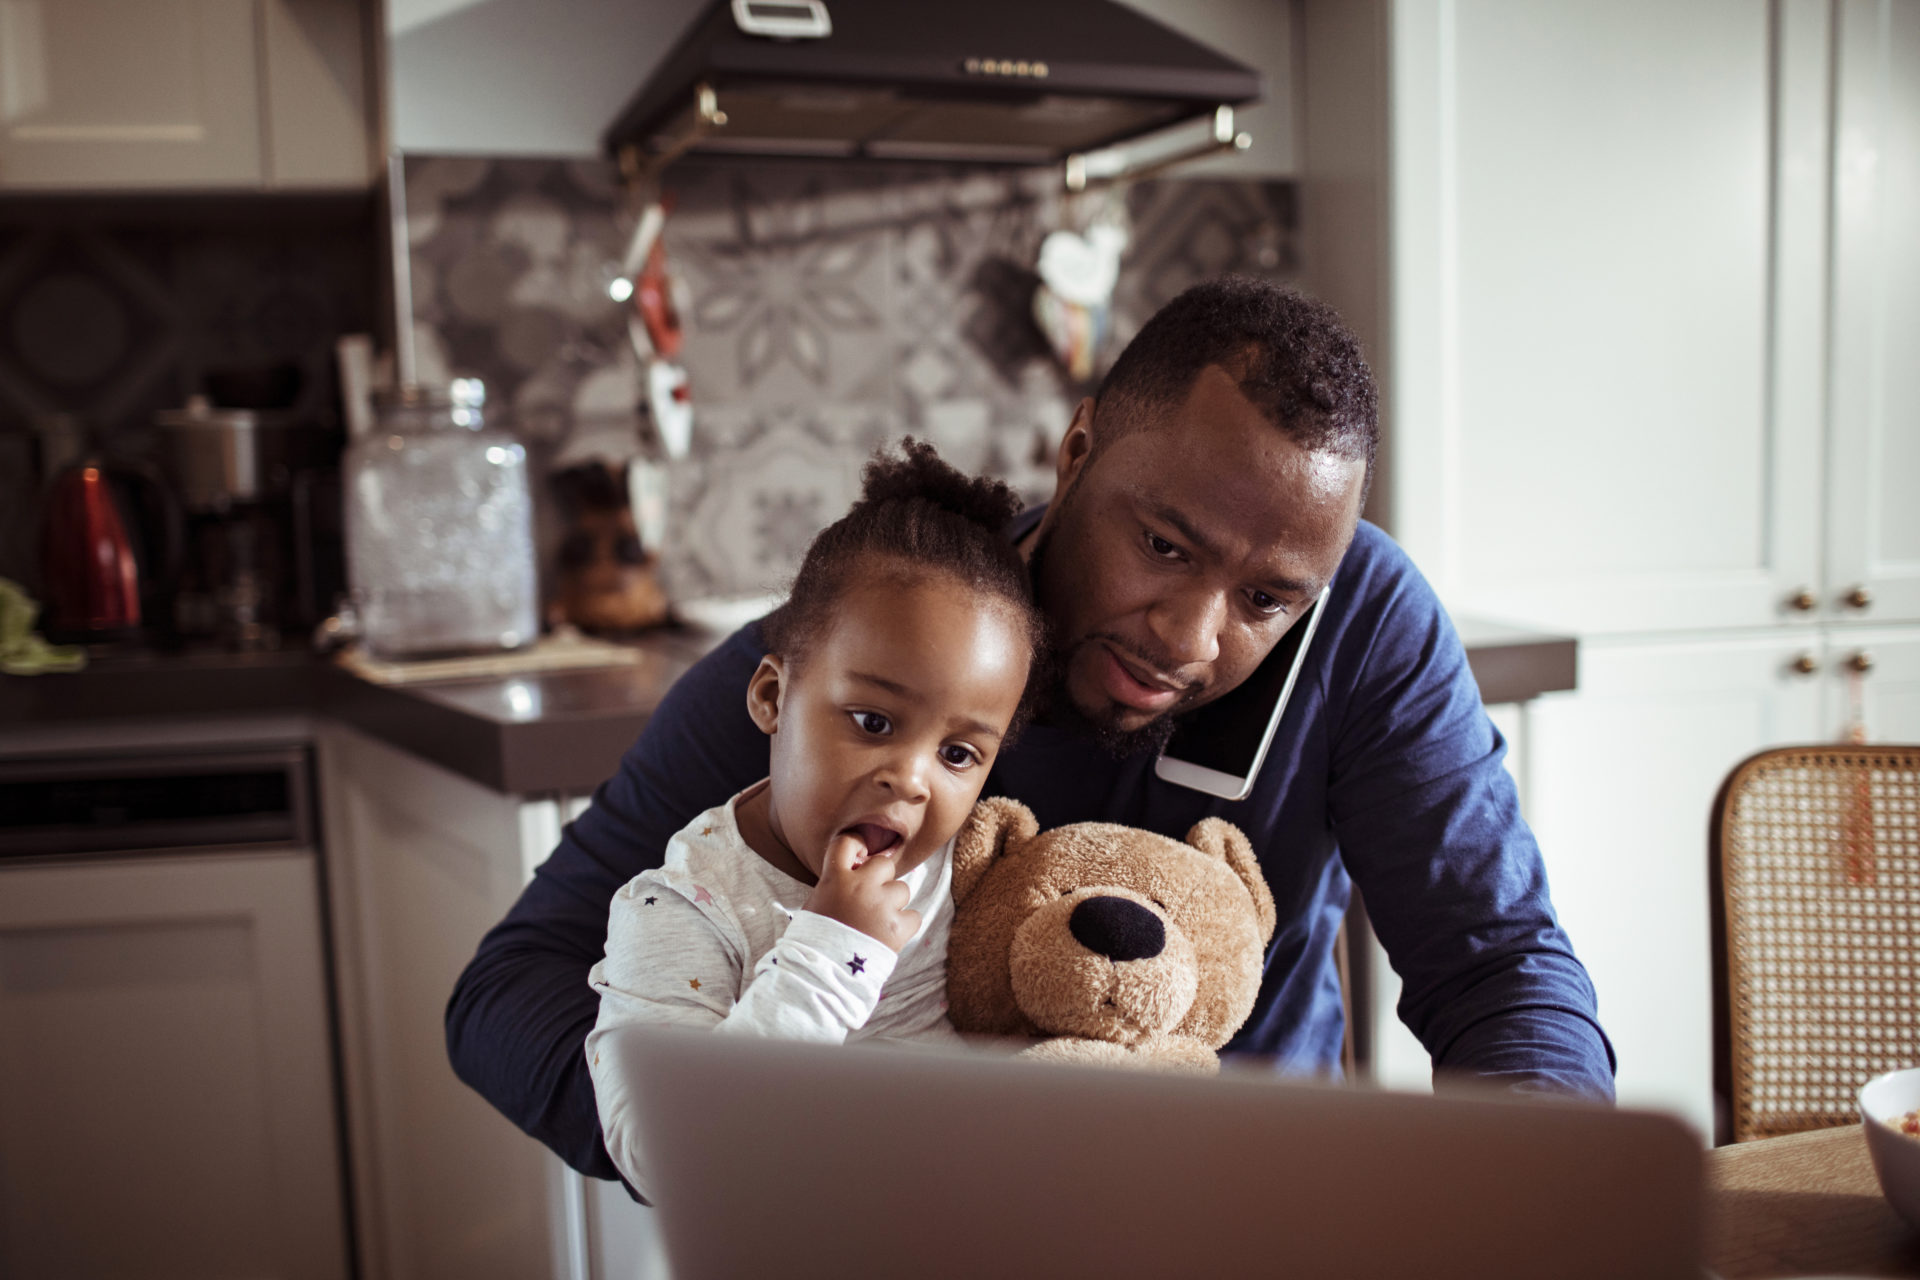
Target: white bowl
(1896,1157)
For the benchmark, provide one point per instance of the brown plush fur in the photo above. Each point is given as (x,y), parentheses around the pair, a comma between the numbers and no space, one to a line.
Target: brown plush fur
(1015,968)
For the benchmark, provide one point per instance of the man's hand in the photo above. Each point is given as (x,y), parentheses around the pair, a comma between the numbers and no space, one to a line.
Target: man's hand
(859,890)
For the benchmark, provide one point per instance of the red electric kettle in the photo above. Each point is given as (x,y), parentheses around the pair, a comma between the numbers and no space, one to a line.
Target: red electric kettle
(91,570)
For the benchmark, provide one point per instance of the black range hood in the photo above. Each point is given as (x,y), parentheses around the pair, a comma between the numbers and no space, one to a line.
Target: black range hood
(1001,81)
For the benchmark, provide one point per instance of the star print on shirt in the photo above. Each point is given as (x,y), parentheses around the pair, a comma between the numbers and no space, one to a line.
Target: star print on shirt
(651,900)
(858,964)
(700,894)
(706,831)
(694,983)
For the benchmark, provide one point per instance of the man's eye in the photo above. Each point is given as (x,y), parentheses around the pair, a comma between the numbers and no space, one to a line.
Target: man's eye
(1160,546)
(1265,603)
(959,757)
(873,722)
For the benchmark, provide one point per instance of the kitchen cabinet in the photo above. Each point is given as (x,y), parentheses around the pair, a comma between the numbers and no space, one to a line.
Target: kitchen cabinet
(1889,686)
(1640,286)
(100,95)
(1616,401)
(426,861)
(167,1087)
(1624,775)
(1625,771)
(504,78)
(1873,518)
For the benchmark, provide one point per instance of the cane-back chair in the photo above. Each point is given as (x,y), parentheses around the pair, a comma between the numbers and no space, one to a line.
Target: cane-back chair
(1816,915)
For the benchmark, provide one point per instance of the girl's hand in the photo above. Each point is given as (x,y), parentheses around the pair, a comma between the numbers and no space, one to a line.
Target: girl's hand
(860,891)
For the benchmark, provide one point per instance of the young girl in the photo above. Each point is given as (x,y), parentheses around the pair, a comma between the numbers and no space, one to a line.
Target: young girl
(815,904)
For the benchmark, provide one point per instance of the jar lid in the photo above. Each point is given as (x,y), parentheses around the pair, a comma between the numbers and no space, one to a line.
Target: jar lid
(462,392)
(462,397)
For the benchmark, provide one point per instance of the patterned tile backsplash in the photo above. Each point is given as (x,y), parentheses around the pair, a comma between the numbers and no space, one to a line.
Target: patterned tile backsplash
(829,309)
(112,308)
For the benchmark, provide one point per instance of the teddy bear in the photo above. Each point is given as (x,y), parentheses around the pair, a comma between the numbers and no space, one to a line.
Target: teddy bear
(1105,943)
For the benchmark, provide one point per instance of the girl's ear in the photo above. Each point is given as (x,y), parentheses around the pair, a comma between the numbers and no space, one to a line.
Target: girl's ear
(764,693)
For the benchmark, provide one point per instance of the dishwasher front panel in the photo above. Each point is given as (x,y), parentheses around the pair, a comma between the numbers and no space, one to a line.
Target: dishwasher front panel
(118,805)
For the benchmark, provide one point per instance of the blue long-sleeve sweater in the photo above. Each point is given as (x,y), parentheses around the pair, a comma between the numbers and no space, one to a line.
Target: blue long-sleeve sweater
(1385,773)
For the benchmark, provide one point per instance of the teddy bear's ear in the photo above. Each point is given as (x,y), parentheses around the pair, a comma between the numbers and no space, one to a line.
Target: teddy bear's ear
(995,825)
(1221,839)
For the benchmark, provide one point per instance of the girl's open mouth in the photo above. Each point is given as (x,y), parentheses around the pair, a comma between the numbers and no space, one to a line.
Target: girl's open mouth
(878,839)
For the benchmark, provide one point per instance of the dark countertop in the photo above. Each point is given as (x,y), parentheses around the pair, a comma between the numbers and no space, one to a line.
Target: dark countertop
(1514,664)
(541,733)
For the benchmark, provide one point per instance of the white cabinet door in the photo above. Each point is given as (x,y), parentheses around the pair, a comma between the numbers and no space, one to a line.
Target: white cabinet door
(1873,490)
(1624,773)
(1889,689)
(1608,307)
(425,862)
(129,93)
(166,1077)
(605,1235)
(115,94)
(319,133)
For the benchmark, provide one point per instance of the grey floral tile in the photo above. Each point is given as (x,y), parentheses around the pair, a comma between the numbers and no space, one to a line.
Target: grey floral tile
(796,317)
(829,309)
(747,513)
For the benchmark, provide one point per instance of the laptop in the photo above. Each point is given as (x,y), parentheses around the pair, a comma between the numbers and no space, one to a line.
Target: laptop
(778,1159)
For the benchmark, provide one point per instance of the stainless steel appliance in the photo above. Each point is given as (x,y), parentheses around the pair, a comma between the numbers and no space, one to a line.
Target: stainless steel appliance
(242,476)
(167,1082)
(1001,81)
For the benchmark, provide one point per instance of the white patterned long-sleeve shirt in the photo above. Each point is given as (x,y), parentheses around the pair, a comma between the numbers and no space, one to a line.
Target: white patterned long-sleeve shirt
(716,937)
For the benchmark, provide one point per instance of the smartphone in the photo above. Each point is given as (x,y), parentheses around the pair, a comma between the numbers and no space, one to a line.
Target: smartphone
(1218,748)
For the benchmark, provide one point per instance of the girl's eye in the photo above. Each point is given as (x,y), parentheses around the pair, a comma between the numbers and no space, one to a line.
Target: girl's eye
(1160,546)
(958,757)
(873,722)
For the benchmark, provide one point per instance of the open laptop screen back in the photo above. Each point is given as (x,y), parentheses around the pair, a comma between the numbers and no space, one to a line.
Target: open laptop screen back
(802,1160)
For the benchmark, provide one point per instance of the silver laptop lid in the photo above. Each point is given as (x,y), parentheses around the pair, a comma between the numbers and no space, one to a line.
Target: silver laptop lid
(775,1159)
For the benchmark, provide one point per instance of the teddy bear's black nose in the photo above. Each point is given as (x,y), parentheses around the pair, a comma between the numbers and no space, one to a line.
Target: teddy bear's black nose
(1117,929)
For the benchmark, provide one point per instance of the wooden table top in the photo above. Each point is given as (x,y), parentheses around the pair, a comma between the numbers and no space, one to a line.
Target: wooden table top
(1804,1205)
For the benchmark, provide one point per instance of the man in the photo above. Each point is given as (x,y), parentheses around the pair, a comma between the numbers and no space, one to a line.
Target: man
(1202,501)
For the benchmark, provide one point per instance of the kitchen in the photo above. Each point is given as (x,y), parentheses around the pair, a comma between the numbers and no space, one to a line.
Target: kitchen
(1517,232)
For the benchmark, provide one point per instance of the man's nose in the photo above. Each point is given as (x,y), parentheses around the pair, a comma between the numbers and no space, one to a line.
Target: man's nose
(1187,625)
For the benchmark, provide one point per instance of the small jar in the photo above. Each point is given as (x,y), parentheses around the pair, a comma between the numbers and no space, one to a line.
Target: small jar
(439,531)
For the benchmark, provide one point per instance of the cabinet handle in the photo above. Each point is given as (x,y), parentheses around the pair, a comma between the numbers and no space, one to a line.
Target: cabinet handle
(1861,662)
(1802,601)
(1805,665)
(1858,598)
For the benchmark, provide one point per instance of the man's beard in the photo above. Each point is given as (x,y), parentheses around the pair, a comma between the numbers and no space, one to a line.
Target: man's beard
(1057,706)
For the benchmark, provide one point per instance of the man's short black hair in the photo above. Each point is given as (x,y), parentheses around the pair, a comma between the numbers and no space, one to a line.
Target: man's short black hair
(1291,356)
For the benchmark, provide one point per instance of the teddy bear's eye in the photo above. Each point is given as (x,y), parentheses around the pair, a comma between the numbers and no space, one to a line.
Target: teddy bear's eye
(1156,902)
(1066,893)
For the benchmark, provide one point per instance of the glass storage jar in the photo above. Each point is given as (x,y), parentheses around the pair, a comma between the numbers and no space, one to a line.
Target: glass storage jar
(440,528)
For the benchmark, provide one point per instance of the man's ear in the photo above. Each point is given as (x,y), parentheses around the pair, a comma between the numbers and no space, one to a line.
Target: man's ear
(765,689)
(1076,446)
(995,826)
